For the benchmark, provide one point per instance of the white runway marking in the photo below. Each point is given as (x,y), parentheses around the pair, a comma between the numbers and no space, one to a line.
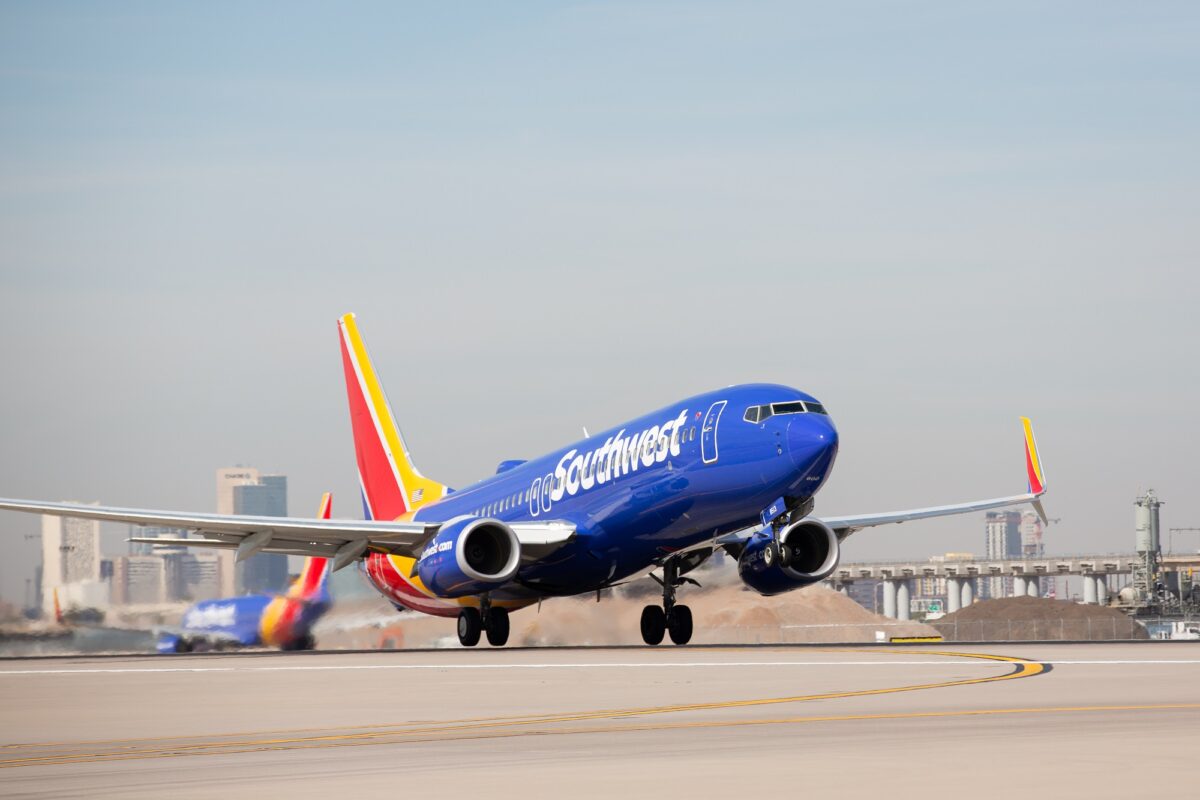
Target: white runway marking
(966,661)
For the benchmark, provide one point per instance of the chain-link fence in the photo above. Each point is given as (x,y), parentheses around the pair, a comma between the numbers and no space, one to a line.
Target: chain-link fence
(1057,629)
(1088,629)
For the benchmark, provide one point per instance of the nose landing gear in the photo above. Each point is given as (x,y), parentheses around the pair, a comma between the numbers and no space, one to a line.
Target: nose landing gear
(671,618)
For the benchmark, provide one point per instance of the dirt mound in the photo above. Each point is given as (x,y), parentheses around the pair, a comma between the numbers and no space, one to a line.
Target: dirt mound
(724,613)
(1036,619)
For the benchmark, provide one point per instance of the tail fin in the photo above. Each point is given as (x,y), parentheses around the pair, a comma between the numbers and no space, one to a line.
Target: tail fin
(315,573)
(392,487)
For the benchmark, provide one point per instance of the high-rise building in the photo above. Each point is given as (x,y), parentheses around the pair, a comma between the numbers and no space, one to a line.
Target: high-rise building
(139,580)
(227,479)
(1032,545)
(71,563)
(265,572)
(201,575)
(1003,540)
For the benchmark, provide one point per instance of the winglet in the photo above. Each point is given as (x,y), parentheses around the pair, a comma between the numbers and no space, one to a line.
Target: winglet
(1033,465)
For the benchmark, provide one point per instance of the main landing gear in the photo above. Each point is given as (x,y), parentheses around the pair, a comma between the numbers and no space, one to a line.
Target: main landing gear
(485,619)
(670,618)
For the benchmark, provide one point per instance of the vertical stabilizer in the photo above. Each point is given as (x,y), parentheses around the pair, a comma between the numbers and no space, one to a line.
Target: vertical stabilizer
(391,485)
(315,573)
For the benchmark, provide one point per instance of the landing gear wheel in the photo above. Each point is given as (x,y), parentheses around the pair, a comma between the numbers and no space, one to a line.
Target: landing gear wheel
(307,643)
(497,627)
(183,645)
(679,624)
(470,624)
(654,624)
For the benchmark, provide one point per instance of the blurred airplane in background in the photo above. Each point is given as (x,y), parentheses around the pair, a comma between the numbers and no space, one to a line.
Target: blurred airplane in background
(283,621)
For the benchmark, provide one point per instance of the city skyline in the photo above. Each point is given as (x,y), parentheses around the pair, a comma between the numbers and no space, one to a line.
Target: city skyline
(71,553)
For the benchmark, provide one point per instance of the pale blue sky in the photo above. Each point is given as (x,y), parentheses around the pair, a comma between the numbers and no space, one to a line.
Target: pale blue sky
(935,217)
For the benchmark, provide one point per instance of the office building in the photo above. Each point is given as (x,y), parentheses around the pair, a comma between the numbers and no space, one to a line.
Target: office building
(227,479)
(139,580)
(71,564)
(264,572)
(1003,540)
(1032,545)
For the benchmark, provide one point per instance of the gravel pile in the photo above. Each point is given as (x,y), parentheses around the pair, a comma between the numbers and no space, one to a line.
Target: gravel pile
(1036,619)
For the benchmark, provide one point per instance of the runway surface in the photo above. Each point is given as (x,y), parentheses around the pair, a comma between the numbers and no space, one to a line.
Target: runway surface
(1096,720)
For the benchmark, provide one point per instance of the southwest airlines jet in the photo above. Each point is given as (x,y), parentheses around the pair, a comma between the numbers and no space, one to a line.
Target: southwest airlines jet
(737,469)
(284,621)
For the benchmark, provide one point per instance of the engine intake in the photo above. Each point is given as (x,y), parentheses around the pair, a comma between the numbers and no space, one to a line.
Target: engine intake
(808,552)
(469,555)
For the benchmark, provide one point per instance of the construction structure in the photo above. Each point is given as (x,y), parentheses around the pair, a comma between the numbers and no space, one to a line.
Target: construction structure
(1159,587)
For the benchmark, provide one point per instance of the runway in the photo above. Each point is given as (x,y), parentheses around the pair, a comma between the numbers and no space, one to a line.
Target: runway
(1081,720)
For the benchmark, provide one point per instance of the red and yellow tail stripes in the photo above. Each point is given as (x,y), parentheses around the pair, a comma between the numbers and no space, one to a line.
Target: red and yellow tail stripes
(1037,478)
(316,570)
(392,487)
(282,615)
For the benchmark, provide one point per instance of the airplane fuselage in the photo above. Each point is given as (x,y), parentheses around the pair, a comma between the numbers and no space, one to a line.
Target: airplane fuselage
(636,492)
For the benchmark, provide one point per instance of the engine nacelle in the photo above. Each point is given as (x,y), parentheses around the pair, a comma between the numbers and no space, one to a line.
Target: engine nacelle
(811,554)
(469,555)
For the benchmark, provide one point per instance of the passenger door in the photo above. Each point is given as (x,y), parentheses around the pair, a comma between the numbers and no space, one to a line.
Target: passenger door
(708,433)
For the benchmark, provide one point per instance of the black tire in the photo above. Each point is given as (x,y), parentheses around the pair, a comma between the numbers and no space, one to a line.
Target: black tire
(307,643)
(679,624)
(497,627)
(183,645)
(470,625)
(654,624)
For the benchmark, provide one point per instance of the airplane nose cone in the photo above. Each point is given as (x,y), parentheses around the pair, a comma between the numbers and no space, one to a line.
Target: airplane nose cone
(813,444)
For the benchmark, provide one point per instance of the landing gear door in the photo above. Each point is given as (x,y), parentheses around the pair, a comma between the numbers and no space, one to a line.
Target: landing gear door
(708,433)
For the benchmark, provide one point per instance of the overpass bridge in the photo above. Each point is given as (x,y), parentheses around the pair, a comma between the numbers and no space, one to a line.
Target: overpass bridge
(961,575)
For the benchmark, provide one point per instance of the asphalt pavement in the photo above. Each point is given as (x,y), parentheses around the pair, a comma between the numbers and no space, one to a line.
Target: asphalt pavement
(1088,720)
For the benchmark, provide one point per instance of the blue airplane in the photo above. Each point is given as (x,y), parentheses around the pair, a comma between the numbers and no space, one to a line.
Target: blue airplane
(736,469)
(257,620)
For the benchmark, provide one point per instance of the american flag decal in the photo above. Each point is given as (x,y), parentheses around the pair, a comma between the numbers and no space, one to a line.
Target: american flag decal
(417,495)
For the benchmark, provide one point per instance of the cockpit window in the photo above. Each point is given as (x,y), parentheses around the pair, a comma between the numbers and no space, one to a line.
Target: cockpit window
(788,408)
(763,412)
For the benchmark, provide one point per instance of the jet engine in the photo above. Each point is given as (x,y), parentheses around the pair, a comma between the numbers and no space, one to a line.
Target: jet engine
(806,552)
(469,555)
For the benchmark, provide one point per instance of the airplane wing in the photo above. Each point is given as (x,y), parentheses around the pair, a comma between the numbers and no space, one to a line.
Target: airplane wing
(342,540)
(846,525)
